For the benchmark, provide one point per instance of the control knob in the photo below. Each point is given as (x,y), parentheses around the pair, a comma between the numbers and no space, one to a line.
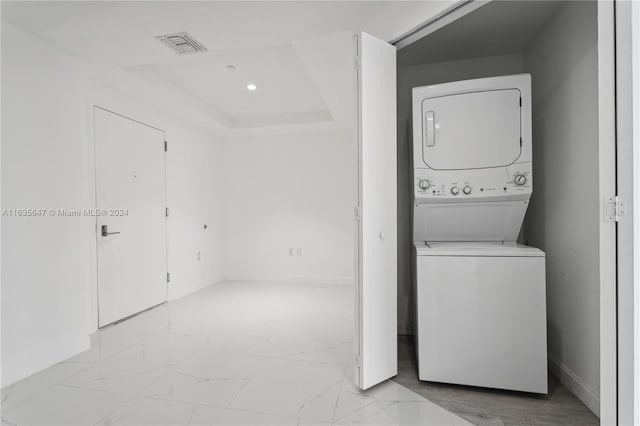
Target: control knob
(455,190)
(520,179)
(466,190)
(424,184)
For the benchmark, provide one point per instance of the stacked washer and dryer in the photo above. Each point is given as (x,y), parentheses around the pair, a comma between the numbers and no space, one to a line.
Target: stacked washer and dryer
(480,296)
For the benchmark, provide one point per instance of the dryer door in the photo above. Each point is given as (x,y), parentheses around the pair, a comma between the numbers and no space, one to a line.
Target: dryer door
(472,130)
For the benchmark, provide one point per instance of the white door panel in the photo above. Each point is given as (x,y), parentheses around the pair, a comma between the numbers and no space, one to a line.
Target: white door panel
(471,130)
(377,267)
(130,188)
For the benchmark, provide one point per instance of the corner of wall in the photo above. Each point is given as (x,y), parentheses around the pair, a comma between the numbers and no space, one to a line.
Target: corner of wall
(589,396)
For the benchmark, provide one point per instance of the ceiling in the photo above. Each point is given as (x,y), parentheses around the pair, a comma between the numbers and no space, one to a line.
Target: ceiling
(285,90)
(299,54)
(497,28)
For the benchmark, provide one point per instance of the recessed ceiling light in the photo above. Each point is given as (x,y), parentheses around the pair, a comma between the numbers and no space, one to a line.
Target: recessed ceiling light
(251,87)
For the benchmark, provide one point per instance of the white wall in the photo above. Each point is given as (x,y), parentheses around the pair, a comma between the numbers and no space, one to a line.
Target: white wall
(283,192)
(195,185)
(48,274)
(45,164)
(563,217)
(415,76)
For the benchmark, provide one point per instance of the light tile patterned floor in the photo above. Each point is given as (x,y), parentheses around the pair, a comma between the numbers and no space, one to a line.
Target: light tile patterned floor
(231,354)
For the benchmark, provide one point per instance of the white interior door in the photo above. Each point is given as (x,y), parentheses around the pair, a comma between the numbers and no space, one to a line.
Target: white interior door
(131,225)
(376,318)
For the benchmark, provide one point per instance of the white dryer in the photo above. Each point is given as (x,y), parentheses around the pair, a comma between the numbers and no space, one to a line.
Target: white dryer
(480,296)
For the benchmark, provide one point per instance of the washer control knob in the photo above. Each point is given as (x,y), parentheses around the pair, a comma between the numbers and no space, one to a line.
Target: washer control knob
(455,190)
(424,184)
(519,179)
(466,190)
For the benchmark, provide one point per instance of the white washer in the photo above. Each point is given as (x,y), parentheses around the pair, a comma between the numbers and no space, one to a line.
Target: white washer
(480,297)
(481,316)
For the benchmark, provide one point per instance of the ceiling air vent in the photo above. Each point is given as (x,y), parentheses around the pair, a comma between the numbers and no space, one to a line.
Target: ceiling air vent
(182,43)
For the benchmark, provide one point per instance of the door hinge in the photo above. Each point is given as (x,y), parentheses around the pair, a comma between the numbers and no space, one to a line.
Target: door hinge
(166,211)
(613,209)
(358,361)
(357,212)
(520,141)
(166,146)
(168,277)
(520,101)
(356,63)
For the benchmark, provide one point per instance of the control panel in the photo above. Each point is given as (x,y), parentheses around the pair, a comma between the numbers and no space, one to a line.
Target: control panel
(473,184)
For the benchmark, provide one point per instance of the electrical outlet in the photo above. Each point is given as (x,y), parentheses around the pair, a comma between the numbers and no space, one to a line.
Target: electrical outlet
(198,255)
(299,252)
(291,251)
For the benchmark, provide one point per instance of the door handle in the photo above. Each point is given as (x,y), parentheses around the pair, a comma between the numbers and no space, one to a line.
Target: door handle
(105,231)
(429,129)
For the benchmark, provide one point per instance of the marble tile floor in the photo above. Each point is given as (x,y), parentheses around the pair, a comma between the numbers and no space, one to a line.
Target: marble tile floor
(231,354)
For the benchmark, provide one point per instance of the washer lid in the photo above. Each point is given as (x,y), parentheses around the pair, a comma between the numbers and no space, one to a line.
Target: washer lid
(476,249)
(473,130)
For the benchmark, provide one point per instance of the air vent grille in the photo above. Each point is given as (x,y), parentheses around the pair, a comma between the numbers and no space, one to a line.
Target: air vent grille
(182,43)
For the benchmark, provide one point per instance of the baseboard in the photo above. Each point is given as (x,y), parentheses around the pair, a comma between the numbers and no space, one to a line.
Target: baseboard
(576,386)
(278,278)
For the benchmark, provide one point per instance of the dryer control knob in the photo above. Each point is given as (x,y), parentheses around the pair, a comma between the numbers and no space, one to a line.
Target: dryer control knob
(455,190)
(519,179)
(424,184)
(466,190)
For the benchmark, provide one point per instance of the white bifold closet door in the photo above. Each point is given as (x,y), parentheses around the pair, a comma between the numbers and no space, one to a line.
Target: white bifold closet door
(131,230)
(376,271)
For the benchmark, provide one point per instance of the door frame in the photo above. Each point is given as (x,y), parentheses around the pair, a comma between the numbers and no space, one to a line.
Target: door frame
(459,9)
(609,374)
(627,23)
(607,231)
(92,105)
